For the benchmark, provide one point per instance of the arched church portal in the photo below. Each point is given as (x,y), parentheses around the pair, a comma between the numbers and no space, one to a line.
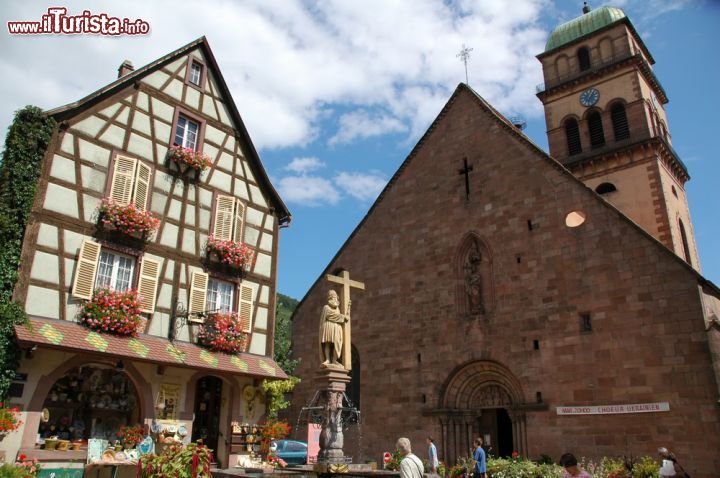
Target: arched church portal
(482,399)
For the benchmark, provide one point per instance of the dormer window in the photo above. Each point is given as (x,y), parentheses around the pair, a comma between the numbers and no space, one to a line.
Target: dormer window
(186,133)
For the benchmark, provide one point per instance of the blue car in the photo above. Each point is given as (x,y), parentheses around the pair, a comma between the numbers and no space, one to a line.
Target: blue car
(292,451)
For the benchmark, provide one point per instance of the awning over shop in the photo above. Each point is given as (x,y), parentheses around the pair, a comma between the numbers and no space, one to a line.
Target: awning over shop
(73,337)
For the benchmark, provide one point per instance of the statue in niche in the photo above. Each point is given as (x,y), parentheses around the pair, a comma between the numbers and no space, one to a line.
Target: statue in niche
(473,280)
(332,323)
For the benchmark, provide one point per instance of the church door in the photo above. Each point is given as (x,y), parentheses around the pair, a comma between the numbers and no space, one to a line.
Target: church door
(496,429)
(206,425)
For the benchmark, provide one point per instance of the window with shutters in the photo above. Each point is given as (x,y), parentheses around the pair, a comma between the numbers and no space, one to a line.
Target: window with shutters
(130,182)
(115,271)
(597,135)
(229,219)
(99,266)
(572,133)
(619,122)
(219,296)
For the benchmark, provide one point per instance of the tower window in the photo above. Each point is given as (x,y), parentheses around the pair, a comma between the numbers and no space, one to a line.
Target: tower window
(597,135)
(620,122)
(572,132)
(583,55)
(605,188)
(686,246)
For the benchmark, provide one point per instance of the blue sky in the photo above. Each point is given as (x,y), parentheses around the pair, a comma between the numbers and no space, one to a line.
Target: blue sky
(336,93)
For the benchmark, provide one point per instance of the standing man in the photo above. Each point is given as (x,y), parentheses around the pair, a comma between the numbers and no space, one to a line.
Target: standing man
(411,466)
(432,455)
(480,462)
(569,462)
(331,330)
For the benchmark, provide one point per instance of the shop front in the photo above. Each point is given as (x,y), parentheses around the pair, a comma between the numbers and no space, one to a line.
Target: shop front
(81,387)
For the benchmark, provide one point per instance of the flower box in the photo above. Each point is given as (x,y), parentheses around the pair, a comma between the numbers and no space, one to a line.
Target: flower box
(113,312)
(9,420)
(223,333)
(236,255)
(187,159)
(127,219)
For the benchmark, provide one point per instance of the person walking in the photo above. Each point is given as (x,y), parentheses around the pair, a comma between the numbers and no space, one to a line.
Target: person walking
(411,466)
(670,466)
(432,455)
(480,470)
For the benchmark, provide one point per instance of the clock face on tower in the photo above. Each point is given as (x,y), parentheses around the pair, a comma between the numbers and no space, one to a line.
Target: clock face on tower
(589,97)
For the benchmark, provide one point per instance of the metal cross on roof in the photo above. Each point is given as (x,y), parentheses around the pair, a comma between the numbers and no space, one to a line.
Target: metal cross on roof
(464,56)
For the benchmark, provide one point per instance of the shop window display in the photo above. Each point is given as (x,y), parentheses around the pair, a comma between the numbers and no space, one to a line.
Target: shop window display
(91,401)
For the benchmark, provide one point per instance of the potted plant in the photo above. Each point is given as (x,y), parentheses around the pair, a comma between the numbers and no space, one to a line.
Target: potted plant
(223,333)
(113,312)
(9,420)
(234,254)
(130,436)
(272,430)
(127,218)
(188,158)
(29,468)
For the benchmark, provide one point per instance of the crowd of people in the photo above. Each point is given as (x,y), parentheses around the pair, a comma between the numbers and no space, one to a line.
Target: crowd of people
(412,467)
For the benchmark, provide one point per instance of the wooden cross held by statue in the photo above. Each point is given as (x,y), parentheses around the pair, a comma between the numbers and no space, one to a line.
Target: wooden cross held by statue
(344,280)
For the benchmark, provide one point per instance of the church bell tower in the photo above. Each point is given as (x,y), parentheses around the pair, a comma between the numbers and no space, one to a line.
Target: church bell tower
(606,122)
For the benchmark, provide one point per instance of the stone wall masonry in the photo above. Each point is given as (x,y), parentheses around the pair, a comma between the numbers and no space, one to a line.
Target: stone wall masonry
(648,342)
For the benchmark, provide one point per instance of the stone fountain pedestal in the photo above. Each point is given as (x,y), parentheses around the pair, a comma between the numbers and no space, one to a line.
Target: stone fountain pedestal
(332,382)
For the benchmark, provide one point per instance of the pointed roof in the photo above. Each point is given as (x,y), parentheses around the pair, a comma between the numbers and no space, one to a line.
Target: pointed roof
(71,109)
(462,88)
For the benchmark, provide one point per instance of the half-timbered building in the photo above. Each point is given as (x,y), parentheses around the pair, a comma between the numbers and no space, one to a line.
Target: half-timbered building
(114,147)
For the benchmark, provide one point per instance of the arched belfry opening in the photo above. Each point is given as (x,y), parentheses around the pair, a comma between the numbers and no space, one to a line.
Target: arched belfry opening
(475,297)
(482,399)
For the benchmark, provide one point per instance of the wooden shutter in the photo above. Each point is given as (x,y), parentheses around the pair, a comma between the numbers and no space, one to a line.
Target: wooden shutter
(245,307)
(224,210)
(121,188)
(198,292)
(239,221)
(147,283)
(84,282)
(142,185)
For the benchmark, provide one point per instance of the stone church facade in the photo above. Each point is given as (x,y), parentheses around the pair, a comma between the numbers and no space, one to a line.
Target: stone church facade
(513,300)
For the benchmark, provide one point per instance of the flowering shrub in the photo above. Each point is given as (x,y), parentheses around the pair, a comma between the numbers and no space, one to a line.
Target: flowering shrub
(273,430)
(113,312)
(191,461)
(127,218)
(518,467)
(131,435)
(9,419)
(28,467)
(276,461)
(188,156)
(232,253)
(223,333)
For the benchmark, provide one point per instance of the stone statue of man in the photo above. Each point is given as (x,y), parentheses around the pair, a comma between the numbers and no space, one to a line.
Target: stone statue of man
(331,330)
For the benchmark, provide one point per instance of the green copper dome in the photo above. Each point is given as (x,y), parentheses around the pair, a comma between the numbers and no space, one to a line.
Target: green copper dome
(587,23)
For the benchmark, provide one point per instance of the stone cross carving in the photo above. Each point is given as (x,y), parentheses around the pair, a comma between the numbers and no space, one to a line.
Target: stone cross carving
(466,170)
(344,280)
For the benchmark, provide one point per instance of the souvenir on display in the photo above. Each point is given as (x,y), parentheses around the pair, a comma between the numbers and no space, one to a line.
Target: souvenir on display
(146,446)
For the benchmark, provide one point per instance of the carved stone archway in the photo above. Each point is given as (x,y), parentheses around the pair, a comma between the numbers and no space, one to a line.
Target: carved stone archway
(474,388)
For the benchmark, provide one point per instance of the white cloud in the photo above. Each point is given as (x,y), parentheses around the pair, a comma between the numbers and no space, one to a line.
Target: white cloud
(362,124)
(362,186)
(308,190)
(304,165)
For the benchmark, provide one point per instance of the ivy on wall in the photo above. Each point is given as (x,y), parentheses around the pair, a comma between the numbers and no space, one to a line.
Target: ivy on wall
(25,145)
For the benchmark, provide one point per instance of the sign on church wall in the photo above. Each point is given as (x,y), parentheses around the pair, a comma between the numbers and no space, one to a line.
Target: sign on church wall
(615,409)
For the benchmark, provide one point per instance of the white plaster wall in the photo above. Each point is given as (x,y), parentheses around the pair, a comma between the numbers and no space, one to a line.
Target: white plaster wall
(220,181)
(122,118)
(263,264)
(241,190)
(253,216)
(94,154)
(114,135)
(156,80)
(42,302)
(142,101)
(266,242)
(257,196)
(68,144)
(48,236)
(45,267)
(169,235)
(264,295)
(90,205)
(141,146)
(72,241)
(251,236)
(192,98)
(110,110)
(162,133)
(174,89)
(93,179)
(214,135)
(261,318)
(162,110)
(258,343)
(61,200)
